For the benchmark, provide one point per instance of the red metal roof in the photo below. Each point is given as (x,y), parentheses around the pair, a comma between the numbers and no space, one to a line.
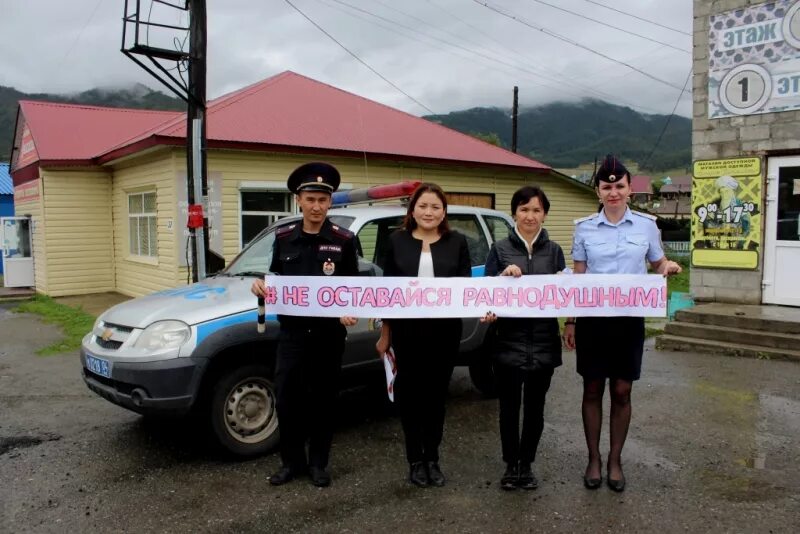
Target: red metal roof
(641,184)
(286,111)
(66,132)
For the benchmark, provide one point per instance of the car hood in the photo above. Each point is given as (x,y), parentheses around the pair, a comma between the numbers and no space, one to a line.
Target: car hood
(212,298)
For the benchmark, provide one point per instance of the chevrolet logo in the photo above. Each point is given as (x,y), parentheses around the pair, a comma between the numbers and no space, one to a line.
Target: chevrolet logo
(107,333)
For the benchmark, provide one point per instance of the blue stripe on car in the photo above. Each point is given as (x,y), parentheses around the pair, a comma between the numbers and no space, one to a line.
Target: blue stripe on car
(206,329)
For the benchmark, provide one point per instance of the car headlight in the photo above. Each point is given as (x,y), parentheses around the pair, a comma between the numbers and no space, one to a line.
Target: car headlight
(163,335)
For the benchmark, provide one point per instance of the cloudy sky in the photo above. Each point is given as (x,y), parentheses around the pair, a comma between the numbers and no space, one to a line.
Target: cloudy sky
(444,54)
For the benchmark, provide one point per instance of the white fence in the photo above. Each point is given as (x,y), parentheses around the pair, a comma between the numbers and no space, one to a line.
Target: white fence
(676,248)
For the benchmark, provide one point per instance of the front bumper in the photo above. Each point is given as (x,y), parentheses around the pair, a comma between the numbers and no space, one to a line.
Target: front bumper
(166,387)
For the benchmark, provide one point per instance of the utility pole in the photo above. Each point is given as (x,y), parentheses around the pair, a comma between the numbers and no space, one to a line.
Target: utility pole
(164,62)
(197,178)
(514,120)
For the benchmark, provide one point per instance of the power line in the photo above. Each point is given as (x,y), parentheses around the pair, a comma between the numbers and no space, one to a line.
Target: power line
(534,74)
(80,33)
(574,43)
(638,17)
(677,101)
(563,78)
(381,76)
(679,49)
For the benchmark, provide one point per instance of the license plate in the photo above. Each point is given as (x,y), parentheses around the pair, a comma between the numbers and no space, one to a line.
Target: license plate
(98,366)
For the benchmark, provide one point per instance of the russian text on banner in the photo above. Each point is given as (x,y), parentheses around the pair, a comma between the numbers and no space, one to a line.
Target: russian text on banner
(585,295)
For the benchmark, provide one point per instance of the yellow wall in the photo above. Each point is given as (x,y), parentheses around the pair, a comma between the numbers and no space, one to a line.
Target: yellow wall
(78,237)
(568,201)
(38,245)
(136,276)
(81,232)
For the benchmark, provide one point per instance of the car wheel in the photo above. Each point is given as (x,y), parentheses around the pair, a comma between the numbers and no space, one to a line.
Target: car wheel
(244,419)
(481,372)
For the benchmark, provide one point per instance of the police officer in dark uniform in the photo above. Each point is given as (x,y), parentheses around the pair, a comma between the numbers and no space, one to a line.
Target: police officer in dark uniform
(309,353)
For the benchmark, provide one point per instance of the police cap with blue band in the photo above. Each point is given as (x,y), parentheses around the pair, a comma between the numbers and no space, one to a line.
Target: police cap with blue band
(316,176)
(611,170)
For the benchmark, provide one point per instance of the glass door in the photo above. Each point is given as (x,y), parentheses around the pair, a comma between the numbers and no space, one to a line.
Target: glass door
(17,252)
(782,255)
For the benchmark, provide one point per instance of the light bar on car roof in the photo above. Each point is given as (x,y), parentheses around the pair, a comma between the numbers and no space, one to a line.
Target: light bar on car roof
(374,193)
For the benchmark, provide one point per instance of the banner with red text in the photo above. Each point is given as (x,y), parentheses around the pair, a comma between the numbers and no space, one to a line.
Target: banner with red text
(584,295)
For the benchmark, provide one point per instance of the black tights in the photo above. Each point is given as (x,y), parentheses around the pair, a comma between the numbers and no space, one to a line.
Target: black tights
(592,410)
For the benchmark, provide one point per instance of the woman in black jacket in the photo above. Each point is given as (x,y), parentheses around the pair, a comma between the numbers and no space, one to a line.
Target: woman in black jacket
(526,350)
(425,349)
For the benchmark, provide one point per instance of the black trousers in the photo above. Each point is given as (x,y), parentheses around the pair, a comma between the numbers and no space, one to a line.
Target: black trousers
(425,350)
(307,371)
(512,382)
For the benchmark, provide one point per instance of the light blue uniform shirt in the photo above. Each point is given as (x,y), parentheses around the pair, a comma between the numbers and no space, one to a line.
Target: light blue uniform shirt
(620,248)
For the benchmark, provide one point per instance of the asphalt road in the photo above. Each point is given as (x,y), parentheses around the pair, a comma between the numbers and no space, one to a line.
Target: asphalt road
(714,447)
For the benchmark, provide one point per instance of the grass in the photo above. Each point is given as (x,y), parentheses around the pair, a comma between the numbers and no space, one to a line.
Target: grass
(680,282)
(74,322)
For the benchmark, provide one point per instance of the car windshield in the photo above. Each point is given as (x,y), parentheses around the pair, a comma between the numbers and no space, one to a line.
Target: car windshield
(255,259)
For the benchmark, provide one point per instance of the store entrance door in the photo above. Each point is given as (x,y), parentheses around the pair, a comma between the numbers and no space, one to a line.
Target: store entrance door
(17,253)
(782,235)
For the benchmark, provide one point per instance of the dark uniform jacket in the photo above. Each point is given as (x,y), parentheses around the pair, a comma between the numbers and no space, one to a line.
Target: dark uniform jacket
(331,252)
(527,343)
(450,255)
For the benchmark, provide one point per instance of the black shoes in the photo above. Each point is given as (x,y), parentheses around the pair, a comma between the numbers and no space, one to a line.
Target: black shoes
(418,475)
(319,476)
(424,474)
(518,476)
(527,480)
(435,475)
(509,479)
(593,483)
(283,475)
(616,485)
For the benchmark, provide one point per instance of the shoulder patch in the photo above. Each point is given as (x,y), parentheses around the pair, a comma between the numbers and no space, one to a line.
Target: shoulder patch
(341,232)
(587,218)
(285,230)
(645,215)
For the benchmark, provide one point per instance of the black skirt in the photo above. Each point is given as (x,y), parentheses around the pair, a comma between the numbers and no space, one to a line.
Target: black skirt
(609,347)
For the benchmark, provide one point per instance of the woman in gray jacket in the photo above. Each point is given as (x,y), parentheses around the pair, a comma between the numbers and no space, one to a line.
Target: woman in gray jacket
(526,350)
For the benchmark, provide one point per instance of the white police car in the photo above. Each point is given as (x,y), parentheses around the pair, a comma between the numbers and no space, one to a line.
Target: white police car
(196,348)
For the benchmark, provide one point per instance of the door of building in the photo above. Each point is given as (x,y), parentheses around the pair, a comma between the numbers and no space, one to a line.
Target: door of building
(782,233)
(17,253)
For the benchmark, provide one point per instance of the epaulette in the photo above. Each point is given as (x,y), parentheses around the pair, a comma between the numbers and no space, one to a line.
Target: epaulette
(285,230)
(587,218)
(645,215)
(341,232)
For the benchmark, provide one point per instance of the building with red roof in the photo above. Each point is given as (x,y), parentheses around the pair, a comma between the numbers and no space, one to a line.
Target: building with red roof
(641,189)
(107,187)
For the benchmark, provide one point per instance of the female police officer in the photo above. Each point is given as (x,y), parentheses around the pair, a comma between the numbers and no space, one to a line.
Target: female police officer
(309,353)
(615,240)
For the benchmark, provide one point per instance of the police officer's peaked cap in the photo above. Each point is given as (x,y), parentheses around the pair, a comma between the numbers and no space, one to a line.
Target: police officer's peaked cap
(316,176)
(611,170)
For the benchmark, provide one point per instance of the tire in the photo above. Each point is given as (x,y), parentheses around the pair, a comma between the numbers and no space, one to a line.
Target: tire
(242,411)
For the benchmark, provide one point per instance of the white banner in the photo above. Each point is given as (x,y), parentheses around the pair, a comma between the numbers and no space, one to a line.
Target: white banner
(584,295)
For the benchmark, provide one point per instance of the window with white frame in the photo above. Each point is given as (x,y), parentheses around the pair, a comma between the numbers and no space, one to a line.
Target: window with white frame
(142,224)
(260,208)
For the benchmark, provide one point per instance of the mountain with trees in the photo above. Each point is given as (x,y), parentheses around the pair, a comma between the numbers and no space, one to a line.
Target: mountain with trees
(137,96)
(567,135)
(563,135)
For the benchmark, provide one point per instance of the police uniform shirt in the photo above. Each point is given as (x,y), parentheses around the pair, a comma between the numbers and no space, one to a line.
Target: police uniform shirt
(619,248)
(330,252)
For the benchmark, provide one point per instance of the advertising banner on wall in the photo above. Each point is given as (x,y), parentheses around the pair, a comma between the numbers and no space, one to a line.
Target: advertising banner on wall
(726,213)
(754,60)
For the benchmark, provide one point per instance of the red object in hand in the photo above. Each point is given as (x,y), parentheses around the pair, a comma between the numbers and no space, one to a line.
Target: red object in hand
(195,216)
